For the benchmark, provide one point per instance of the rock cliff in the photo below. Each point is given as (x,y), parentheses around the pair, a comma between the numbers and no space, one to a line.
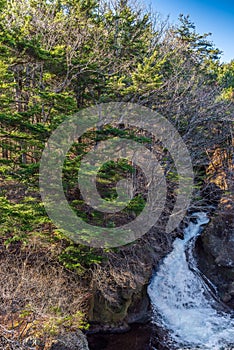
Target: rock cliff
(215,250)
(119,287)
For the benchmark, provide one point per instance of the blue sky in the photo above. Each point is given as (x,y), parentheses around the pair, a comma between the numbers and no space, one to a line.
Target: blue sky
(214,16)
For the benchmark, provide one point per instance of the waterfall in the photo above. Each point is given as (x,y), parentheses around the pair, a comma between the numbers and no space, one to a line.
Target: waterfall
(185,305)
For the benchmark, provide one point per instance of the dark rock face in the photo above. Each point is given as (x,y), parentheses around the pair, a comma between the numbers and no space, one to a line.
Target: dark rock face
(215,250)
(120,286)
(129,306)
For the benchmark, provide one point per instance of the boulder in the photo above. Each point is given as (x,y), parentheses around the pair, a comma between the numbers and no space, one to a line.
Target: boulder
(71,341)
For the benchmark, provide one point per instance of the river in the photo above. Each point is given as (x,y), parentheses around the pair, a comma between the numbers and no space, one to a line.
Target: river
(184,304)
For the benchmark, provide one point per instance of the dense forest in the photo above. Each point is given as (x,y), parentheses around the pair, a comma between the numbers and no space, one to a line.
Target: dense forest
(58,57)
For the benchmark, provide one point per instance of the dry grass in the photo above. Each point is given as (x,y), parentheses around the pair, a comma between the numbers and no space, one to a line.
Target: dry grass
(38,297)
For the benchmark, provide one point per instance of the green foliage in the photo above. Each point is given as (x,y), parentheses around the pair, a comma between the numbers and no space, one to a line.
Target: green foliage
(147,77)
(136,205)
(20,219)
(78,258)
(226,80)
(55,323)
(57,57)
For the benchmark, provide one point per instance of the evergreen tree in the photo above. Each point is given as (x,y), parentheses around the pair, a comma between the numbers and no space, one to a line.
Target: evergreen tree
(194,42)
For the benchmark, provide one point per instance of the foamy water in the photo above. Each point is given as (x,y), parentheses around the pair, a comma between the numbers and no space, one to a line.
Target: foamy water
(183,304)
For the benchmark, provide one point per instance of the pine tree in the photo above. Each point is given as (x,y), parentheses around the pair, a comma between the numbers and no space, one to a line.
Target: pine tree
(197,43)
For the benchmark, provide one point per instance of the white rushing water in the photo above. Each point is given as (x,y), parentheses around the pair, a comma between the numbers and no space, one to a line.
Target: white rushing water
(183,304)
